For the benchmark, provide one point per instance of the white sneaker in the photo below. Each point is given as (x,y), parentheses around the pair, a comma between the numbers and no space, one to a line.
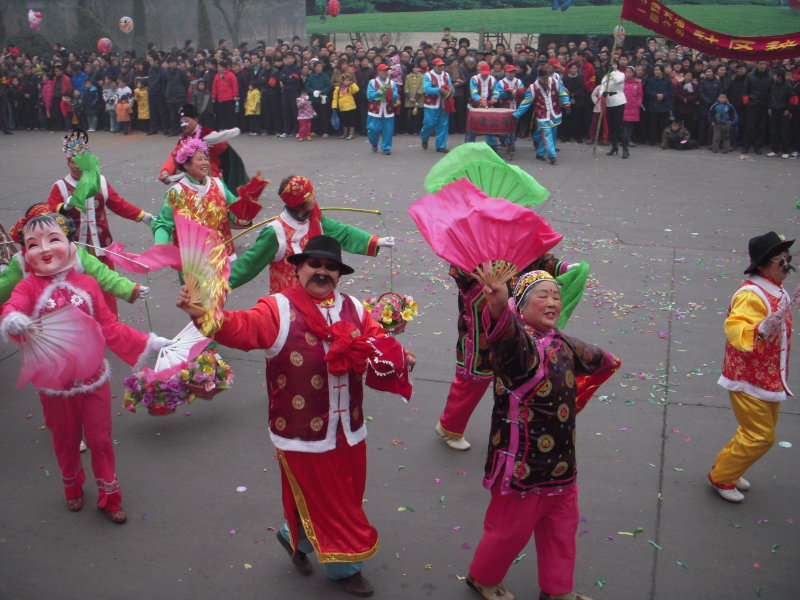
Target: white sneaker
(83,446)
(456,443)
(784,155)
(733,495)
(742,485)
(772,154)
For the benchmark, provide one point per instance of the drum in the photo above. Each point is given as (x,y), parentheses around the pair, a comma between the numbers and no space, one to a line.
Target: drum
(492,121)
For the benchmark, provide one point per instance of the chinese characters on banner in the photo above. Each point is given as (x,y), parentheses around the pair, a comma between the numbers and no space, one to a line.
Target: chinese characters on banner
(658,18)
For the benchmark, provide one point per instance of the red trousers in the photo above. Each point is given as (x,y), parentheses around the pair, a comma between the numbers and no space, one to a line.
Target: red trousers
(69,418)
(510,521)
(303,128)
(464,395)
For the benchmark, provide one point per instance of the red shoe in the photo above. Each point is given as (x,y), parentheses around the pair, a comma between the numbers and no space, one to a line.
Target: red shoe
(75,504)
(117,516)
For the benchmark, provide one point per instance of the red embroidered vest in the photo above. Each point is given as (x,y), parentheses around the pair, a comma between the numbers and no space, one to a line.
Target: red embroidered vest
(435,100)
(303,396)
(762,372)
(92,227)
(383,107)
(290,240)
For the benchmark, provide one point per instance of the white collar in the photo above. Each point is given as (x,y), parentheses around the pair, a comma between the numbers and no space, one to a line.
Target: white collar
(774,290)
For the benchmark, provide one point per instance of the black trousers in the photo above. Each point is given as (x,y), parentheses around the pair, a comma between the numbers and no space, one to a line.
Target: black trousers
(224,112)
(657,122)
(756,127)
(158,113)
(615,114)
(289,109)
(173,125)
(271,114)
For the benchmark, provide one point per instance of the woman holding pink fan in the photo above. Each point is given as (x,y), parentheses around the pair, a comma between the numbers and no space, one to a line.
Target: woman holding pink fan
(61,323)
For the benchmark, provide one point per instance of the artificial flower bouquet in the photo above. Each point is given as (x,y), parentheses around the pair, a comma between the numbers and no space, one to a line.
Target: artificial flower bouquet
(161,393)
(392,311)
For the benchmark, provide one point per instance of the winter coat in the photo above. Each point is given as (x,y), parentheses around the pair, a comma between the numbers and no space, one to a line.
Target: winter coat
(659,86)
(344,101)
(782,96)
(318,82)
(175,84)
(756,87)
(708,90)
(634,95)
(291,80)
(686,99)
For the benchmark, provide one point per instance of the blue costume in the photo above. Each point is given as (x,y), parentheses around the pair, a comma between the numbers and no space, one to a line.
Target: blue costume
(436,117)
(381,94)
(481,92)
(547,100)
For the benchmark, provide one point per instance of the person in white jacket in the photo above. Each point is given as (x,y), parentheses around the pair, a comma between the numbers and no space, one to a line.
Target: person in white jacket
(614,93)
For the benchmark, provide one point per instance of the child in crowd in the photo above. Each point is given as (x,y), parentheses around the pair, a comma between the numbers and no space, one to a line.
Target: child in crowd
(201,98)
(142,104)
(110,100)
(677,137)
(91,104)
(723,117)
(344,101)
(252,108)
(45,99)
(305,112)
(78,112)
(123,110)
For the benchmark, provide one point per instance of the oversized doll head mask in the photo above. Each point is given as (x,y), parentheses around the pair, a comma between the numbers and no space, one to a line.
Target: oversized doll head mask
(47,244)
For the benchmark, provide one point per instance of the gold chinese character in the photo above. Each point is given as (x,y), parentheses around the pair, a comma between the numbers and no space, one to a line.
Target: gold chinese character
(702,35)
(741,45)
(781,45)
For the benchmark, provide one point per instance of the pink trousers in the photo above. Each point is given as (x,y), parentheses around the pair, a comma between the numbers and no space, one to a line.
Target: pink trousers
(464,395)
(507,528)
(69,418)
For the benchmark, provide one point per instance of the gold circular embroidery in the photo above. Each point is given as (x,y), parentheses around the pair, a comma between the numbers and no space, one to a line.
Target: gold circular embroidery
(296,358)
(316,423)
(562,412)
(280,423)
(553,358)
(544,389)
(498,387)
(317,382)
(560,469)
(298,402)
(356,412)
(355,333)
(281,381)
(570,377)
(545,442)
(496,439)
(311,339)
(521,470)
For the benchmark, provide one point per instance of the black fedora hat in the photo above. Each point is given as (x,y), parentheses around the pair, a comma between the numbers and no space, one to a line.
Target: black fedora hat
(764,247)
(188,110)
(322,246)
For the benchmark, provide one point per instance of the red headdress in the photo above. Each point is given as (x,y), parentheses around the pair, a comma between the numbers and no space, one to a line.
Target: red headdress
(37,210)
(296,191)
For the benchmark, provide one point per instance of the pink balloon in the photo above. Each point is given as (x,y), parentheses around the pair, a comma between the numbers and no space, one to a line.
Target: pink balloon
(104,45)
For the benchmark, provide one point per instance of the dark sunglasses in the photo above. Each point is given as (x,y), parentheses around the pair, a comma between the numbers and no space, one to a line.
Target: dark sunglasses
(315,263)
(782,262)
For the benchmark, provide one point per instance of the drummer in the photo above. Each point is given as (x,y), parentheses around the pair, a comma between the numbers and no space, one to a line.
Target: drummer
(482,95)
(509,91)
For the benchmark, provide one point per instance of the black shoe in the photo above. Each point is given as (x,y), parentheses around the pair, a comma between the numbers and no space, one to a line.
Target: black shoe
(552,161)
(758,150)
(152,132)
(541,158)
(612,152)
(424,145)
(387,152)
(8,132)
(299,559)
(443,150)
(357,585)
(374,148)
(625,153)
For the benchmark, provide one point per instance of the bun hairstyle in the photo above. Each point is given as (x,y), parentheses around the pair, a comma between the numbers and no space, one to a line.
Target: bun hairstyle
(66,225)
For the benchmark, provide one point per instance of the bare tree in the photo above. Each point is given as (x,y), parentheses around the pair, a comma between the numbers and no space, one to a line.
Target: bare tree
(233,18)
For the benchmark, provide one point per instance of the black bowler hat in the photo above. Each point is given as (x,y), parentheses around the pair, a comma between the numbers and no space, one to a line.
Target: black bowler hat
(764,247)
(188,110)
(322,246)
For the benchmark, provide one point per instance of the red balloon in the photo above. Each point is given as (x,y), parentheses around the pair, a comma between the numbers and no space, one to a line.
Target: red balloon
(104,45)
(334,8)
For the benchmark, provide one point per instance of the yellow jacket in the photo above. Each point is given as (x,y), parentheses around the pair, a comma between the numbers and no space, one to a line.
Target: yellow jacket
(142,104)
(413,89)
(346,101)
(252,106)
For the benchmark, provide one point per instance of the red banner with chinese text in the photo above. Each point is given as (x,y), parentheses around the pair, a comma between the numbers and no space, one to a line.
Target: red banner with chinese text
(658,18)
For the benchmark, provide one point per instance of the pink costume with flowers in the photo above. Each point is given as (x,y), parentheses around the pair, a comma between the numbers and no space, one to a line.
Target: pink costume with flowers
(80,408)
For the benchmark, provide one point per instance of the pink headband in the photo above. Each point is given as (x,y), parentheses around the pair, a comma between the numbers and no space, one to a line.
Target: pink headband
(189,148)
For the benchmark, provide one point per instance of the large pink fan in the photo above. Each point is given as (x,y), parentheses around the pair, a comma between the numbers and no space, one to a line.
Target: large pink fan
(60,347)
(475,232)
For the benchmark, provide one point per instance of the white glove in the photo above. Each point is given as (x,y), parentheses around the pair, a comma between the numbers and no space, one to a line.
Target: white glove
(68,203)
(386,242)
(316,93)
(16,323)
(770,326)
(147,218)
(143,293)
(572,266)
(157,342)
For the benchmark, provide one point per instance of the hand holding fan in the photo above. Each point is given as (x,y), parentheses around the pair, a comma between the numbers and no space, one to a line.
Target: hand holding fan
(206,268)
(60,347)
(490,236)
(187,345)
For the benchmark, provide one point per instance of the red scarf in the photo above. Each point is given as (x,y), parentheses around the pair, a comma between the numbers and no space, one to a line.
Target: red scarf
(349,351)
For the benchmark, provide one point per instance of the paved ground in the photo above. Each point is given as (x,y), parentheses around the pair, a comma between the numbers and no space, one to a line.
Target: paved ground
(666,234)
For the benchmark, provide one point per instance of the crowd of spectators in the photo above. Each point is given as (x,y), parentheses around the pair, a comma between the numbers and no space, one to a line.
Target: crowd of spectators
(674,93)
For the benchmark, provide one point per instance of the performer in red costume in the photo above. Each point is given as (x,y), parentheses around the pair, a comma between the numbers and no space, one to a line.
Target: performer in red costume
(76,407)
(92,226)
(318,342)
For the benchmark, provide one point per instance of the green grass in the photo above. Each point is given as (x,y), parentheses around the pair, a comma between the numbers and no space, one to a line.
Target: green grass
(732,19)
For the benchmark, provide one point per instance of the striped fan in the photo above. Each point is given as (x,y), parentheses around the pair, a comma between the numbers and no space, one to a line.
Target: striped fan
(205,266)
(60,347)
